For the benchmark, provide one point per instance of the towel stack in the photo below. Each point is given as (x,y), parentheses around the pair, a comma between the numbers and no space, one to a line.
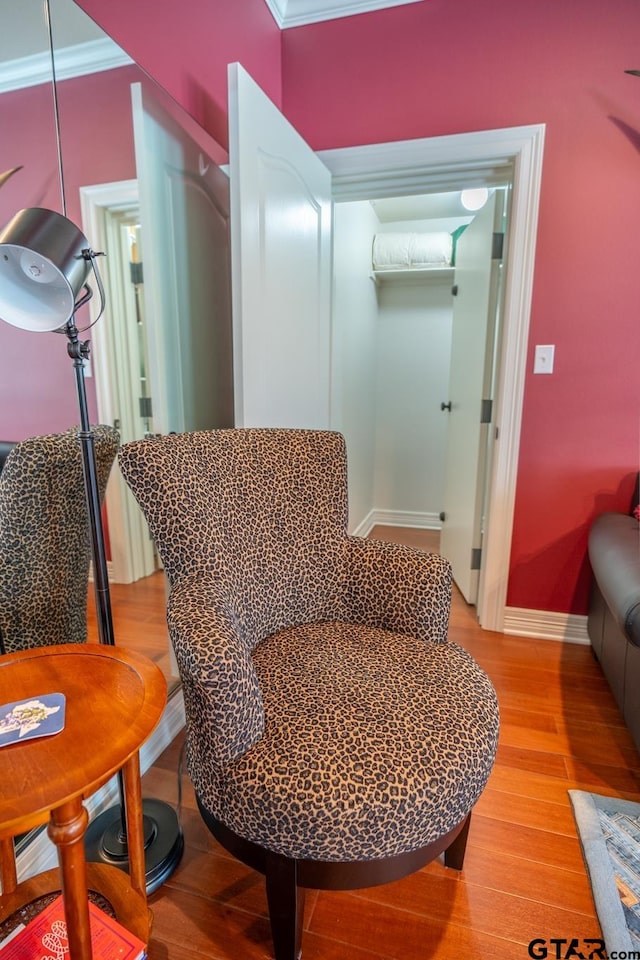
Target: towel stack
(404,251)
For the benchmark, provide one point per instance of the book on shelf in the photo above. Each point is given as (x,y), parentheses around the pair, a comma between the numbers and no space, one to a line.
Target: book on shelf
(45,937)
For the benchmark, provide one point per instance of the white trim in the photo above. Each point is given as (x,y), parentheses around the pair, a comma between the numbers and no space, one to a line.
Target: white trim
(40,854)
(132,555)
(109,572)
(296,13)
(473,159)
(76,61)
(415,519)
(546,625)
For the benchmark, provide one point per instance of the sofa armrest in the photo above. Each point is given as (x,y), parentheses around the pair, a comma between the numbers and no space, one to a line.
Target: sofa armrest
(614,552)
(6,446)
(221,689)
(397,588)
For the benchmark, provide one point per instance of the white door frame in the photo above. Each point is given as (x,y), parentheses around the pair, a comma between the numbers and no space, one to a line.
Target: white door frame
(132,554)
(482,158)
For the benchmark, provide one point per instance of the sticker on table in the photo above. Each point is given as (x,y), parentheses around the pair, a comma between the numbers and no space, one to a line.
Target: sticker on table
(37,717)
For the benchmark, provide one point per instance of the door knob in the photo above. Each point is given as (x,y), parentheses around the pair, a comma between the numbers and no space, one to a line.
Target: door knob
(446,406)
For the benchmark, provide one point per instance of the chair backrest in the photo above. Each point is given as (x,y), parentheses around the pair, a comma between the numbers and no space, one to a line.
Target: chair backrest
(44,538)
(264,509)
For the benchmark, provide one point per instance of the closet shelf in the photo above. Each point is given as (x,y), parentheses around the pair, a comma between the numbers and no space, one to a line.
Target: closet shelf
(413,275)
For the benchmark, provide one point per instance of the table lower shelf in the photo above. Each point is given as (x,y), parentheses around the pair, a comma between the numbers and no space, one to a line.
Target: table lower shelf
(129,906)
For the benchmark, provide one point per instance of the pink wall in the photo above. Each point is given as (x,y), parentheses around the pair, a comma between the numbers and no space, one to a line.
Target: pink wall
(435,68)
(187,45)
(37,392)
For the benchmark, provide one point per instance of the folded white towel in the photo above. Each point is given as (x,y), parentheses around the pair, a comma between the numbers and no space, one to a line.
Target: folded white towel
(393,251)
(430,248)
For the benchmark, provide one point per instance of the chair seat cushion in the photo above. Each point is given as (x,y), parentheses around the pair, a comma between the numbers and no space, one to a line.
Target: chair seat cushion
(375,744)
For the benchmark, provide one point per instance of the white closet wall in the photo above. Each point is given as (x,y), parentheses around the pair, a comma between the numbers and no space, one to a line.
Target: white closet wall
(354,350)
(390,373)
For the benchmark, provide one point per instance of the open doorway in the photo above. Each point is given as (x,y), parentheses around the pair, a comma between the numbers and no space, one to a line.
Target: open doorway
(110,214)
(486,158)
(418,426)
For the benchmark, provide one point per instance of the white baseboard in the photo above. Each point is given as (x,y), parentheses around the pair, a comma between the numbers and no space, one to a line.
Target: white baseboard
(545,625)
(40,854)
(419,520)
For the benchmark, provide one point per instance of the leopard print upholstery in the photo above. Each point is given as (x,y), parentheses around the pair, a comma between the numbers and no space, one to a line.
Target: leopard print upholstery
(44,538)
(328,715)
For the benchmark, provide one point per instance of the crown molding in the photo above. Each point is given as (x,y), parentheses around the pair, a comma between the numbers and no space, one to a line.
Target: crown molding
(76,61)
(296,13)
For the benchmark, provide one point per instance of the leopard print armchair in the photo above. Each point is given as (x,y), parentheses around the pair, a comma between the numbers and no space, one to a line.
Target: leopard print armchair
(335,736)
(44,538)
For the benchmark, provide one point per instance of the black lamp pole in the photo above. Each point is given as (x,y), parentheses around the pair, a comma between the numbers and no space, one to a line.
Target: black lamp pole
(79,353)
(106,837)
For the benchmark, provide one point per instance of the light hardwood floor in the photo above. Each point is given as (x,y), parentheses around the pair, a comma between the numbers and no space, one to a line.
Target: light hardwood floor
(523,876)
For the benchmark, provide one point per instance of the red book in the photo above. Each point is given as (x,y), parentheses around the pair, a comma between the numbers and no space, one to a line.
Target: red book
(45,937)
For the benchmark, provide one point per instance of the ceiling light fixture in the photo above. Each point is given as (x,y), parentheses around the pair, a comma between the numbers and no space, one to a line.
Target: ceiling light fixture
(474,199)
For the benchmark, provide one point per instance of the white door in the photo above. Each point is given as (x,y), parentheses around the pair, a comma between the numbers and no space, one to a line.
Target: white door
(470,395)
(281,241)
(184,215)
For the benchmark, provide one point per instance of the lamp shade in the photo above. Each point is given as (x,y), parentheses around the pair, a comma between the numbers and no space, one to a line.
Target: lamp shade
(42,269)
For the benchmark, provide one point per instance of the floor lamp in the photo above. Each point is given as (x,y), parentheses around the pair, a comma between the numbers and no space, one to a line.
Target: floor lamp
(45,262)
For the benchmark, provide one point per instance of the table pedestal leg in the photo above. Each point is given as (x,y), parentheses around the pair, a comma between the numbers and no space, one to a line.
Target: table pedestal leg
(8,865)
(67,827)
(135,830)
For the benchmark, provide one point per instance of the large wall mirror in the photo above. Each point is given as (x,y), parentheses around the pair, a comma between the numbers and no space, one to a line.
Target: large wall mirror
(94,137)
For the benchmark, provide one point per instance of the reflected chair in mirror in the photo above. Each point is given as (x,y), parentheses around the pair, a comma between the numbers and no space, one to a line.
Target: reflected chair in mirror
(44,538)
(336,738)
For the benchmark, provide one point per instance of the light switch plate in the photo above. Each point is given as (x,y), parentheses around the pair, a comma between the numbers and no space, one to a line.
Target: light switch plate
(543,362)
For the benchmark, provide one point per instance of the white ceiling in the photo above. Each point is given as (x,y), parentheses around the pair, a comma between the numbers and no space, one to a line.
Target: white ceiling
(432,206)
(24,30)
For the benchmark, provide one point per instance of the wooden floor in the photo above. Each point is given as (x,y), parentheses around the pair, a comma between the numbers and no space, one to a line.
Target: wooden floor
(523,876)
(139,620)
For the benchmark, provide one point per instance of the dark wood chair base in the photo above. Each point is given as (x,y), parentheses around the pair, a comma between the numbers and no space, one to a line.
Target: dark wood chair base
(287,879)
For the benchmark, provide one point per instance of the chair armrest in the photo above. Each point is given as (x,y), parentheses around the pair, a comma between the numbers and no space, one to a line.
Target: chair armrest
(397,588)
(222,692)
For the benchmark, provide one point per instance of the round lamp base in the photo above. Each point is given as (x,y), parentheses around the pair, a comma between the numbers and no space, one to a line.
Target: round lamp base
(163,841)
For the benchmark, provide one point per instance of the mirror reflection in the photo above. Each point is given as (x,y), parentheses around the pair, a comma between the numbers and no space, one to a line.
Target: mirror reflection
(145,185)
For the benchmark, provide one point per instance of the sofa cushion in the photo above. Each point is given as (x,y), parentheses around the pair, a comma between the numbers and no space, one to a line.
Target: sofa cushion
(614,552)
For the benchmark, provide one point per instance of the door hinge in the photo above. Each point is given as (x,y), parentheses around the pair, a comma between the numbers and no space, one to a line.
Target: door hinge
(486,409)
(497,246)
(443,516)
(136,272)
(476,556)
(146,409)
(454,290)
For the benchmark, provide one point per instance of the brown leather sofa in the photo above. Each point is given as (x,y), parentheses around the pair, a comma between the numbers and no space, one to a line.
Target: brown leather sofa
(6,446)
(614,612)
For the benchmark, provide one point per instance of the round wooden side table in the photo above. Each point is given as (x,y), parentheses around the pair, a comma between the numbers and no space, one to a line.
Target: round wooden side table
(114,699)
